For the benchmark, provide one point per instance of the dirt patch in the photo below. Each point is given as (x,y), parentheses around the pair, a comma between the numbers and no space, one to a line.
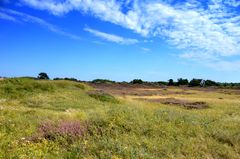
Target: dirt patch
(178,102)
(230,91)
(137,90)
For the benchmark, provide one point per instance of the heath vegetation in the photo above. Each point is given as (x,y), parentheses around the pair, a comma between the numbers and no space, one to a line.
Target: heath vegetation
(70,119)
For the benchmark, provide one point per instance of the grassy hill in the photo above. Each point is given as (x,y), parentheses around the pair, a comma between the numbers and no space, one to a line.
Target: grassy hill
(64,119)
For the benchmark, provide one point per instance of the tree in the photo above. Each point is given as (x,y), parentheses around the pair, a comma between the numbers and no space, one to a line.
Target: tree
(137,81)
(182,81)
(194,82)
(211,83)
(43,75)
(170,82)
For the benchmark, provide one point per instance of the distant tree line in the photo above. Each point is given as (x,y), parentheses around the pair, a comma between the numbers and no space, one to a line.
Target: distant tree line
(66,78)
(180,82)
(184,82)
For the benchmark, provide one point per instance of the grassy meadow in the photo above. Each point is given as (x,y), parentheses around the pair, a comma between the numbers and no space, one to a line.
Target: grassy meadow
(61,119)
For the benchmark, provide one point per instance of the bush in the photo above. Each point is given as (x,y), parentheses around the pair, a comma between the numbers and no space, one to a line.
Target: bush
(136,81)
(162,83)
(194,82)
(43,75)
(67,79)
(182,81)
(211,83)
(102,81)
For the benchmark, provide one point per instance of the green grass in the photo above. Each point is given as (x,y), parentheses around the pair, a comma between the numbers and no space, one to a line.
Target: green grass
(125,129)
(103,97)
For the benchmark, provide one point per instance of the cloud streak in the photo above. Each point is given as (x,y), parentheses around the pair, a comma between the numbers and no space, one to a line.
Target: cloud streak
(202,29)
(15,16)
(7,17)
(111,37)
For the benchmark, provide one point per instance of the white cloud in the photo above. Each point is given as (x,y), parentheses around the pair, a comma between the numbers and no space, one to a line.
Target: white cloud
(13,15)
(146,49)
(203,29)
(234,3)
(111,37)
(7,17)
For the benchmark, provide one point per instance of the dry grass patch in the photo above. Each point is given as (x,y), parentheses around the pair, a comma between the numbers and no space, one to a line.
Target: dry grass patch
(178,102)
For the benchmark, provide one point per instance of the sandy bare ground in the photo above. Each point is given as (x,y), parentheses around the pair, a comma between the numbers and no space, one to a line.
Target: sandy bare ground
(137,90)
(187,97)
(149,90)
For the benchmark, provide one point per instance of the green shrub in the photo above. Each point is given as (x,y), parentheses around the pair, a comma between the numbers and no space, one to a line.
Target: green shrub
(170,82)
(43,75)
(182,81)
(103,97)
(194,82)
(102,81)
(136,81)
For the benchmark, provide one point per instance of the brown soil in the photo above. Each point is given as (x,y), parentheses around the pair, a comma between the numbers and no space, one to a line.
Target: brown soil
(178,102)
(230,91)
(136,90)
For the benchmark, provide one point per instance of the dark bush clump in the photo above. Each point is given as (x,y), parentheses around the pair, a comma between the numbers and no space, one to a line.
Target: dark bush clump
(67,79)
(194,82)
(171,82)
(102,81)
(211,83)
(137,81)
(43,76)
(182,82)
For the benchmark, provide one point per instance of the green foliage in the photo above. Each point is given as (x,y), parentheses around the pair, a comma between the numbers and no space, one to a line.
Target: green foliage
(211,83)
(102,81)
(103,97)
(137,81)
(67,79)
(22,87)
(162,83)
(182,81)
(171,82)
(195,82)
(130,129)
(43,75)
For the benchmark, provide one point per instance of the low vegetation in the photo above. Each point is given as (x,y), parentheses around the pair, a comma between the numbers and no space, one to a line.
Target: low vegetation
(103,97)
(180,82)
(69,119)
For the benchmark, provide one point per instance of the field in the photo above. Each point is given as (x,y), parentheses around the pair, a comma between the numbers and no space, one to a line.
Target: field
(64,119)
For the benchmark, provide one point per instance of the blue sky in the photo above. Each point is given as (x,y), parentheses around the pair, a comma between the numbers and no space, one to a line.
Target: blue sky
(121,40)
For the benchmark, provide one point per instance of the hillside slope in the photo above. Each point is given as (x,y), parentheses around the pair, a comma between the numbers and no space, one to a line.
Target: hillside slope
(63,119)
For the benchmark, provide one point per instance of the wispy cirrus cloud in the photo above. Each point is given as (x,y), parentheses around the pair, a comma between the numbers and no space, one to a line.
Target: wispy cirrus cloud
(7,17)
(202,29)
(111,37)
(15,16)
